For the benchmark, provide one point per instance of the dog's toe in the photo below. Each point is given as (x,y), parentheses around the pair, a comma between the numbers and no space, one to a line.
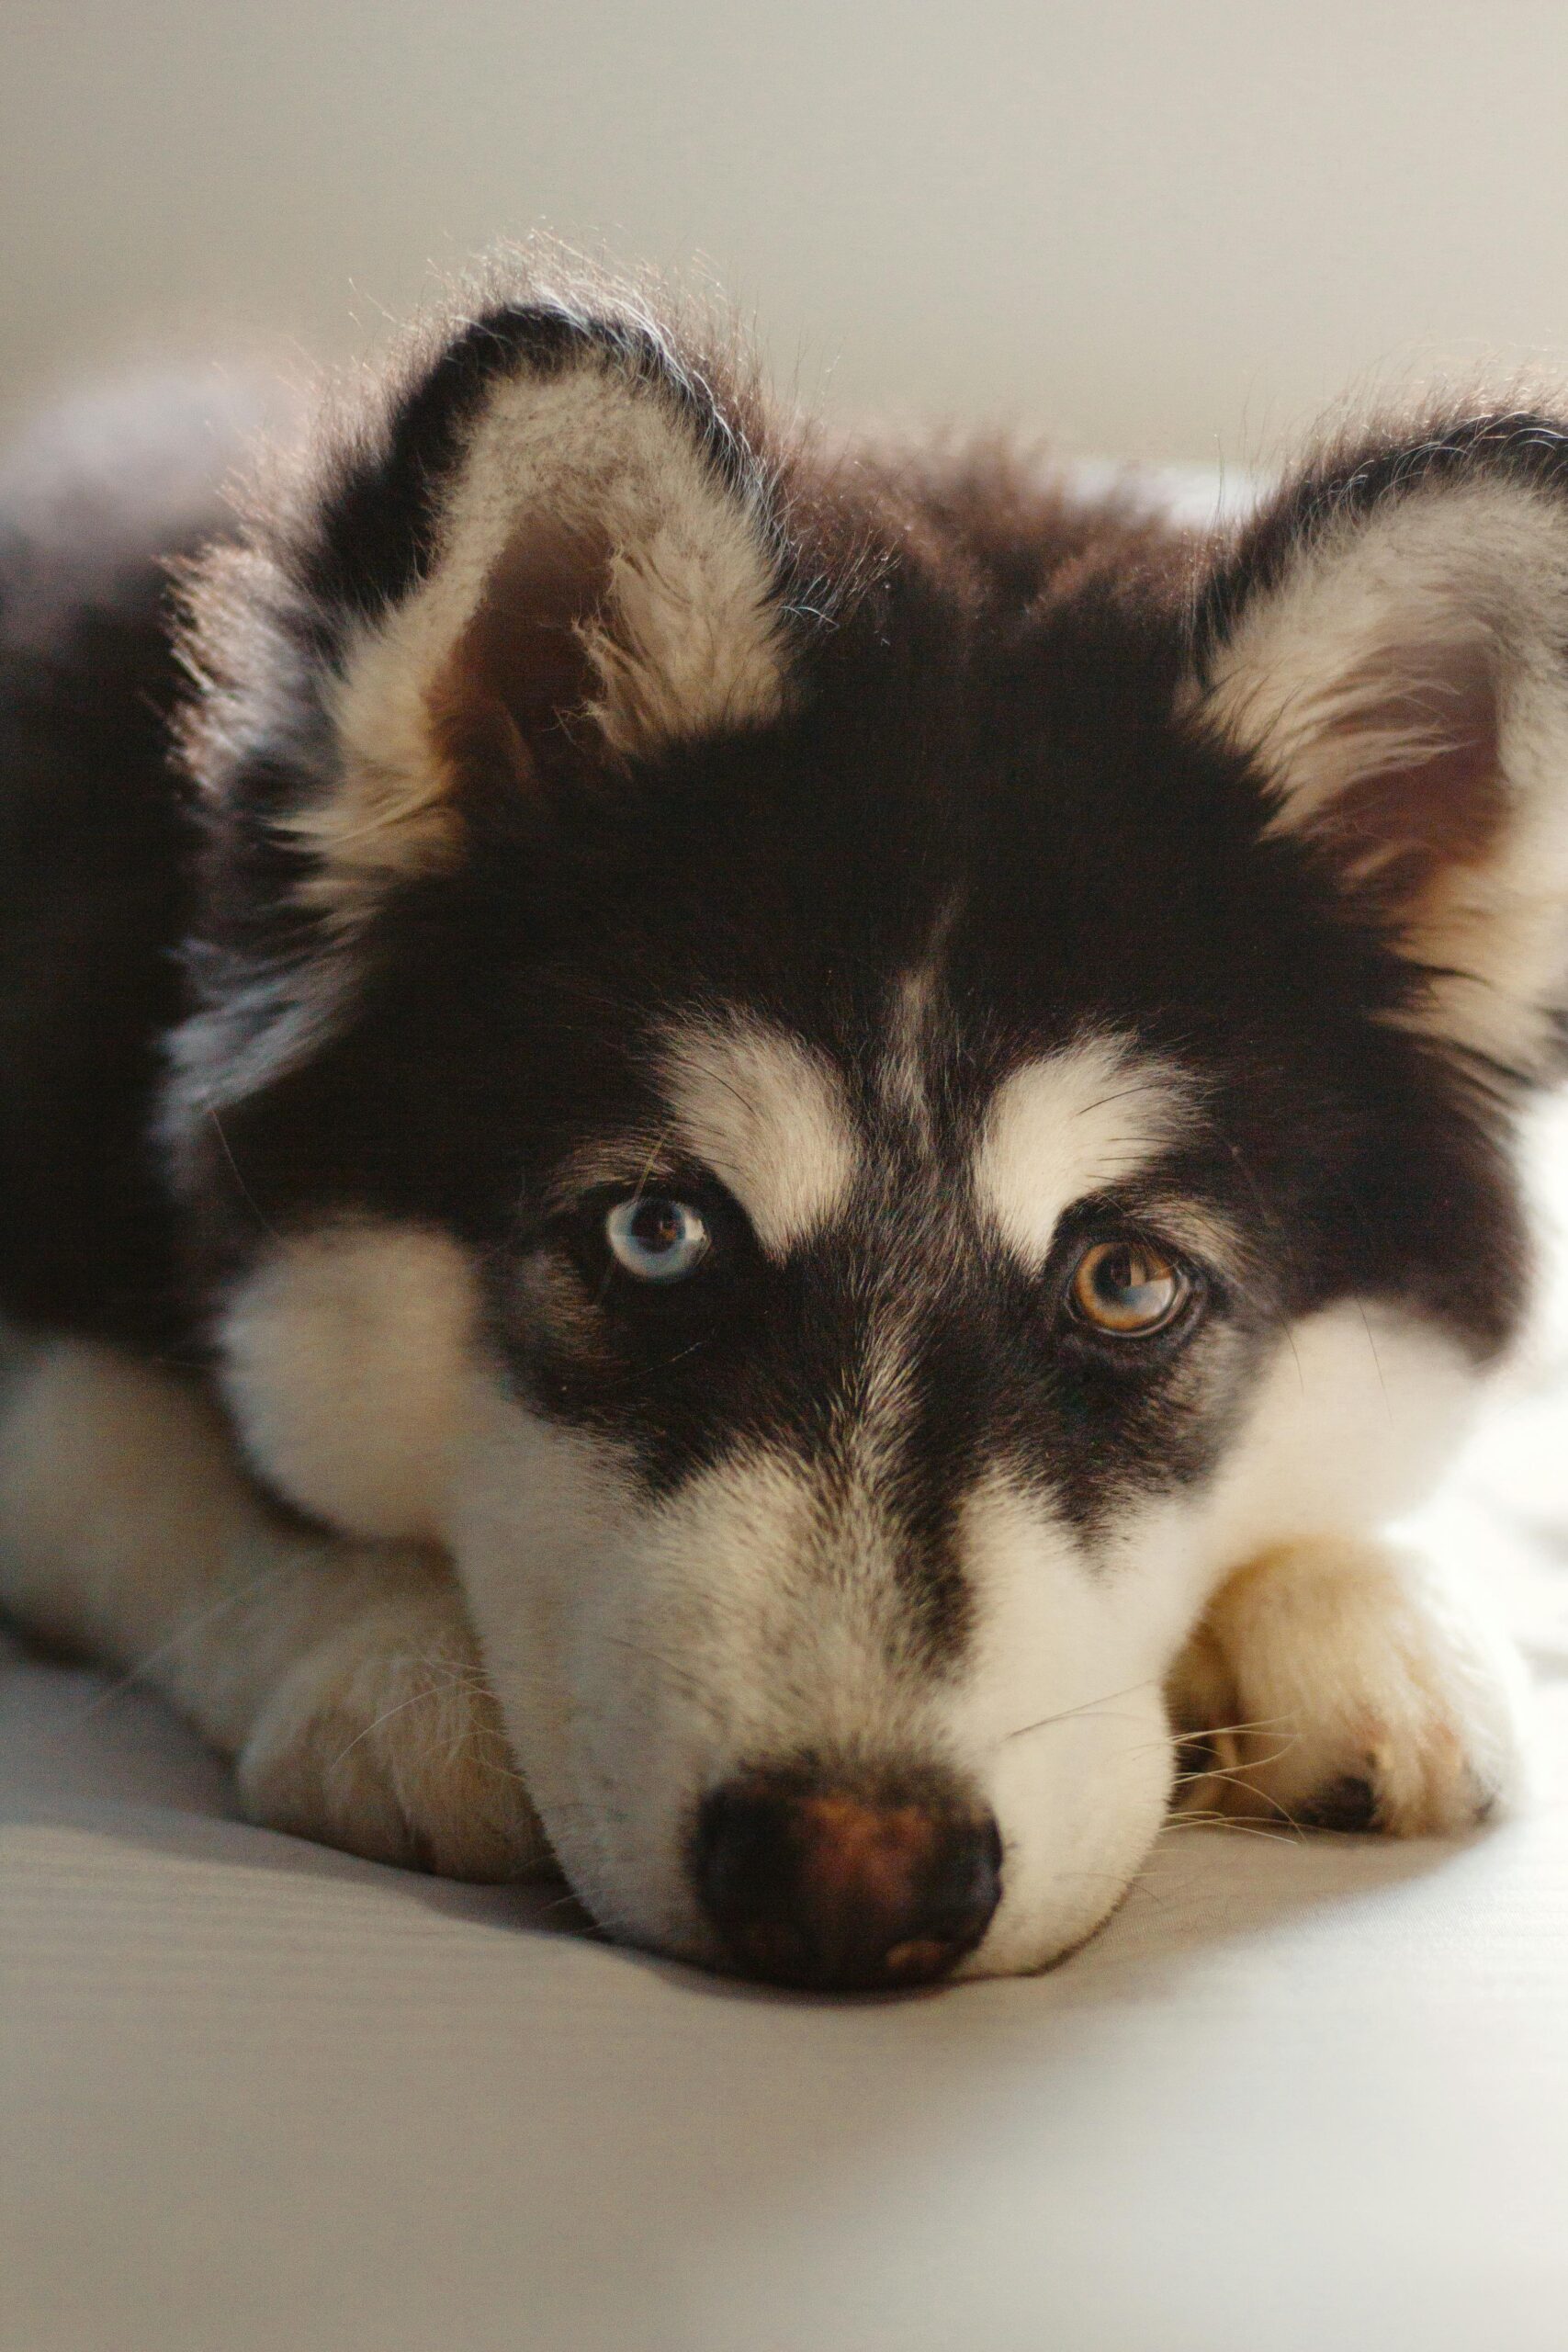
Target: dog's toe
(1348,1687)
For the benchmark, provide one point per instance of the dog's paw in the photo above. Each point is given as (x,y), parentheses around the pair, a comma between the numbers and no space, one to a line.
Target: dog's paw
(1348,1686)
(384,1740)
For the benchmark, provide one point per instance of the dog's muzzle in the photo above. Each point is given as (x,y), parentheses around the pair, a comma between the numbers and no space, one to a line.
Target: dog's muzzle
(846,1885)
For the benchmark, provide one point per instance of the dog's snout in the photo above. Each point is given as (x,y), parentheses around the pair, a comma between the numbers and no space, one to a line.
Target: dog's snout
(834,1887)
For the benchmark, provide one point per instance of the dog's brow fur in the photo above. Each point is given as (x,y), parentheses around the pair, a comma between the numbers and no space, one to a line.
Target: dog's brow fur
(1077,1121)
(769,1117)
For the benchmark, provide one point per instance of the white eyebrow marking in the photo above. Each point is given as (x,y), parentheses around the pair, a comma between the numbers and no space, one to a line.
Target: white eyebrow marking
(1069,1125)
(770,1117)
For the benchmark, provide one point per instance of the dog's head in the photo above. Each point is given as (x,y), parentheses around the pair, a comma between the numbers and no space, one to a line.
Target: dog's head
(856,1080)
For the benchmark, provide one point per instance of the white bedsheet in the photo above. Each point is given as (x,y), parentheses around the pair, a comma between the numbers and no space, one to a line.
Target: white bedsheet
(1301,2095)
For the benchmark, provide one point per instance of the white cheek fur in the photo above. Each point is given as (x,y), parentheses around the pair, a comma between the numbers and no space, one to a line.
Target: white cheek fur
(1357,1416)
(346,1357)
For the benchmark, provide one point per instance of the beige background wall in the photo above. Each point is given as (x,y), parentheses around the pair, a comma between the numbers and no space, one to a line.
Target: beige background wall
(1165,230)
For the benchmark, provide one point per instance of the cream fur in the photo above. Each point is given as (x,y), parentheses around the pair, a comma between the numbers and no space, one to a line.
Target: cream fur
(1060,1127)
(1354,1660)
(770,1118)
(644,1654)
(345,1359)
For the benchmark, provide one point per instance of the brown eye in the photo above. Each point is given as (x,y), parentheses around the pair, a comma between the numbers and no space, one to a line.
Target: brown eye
(1128,1289)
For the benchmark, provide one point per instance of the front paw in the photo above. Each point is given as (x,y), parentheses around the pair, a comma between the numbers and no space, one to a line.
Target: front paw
(384,1740)
(1348,1686)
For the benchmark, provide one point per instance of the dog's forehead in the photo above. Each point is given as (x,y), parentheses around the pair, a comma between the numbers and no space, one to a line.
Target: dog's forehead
(1015,940)
(797,1132)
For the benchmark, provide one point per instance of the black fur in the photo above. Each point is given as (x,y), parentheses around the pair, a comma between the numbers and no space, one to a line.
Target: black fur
(97,848)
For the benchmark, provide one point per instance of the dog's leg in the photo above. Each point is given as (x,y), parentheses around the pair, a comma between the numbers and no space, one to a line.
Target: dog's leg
(1348,1685)
(341,1677)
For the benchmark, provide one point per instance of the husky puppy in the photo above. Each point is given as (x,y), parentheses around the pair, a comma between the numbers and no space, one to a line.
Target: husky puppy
(761,1162)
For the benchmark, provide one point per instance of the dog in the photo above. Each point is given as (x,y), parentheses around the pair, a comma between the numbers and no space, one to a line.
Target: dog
(757,1166)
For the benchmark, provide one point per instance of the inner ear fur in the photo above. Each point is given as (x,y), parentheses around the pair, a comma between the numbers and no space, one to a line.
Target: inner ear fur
(521,669)
(1388,646)
(603,579)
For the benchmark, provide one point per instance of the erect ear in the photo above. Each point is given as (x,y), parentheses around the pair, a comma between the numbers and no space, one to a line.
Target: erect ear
(1388,643)
(564,546)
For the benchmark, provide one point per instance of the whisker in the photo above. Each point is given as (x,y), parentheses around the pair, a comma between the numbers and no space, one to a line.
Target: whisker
(1259,1722)
(1090,1707)
(465,1680)
(183,1632)
(1234,1773)
(1290,1833)
(209,1108)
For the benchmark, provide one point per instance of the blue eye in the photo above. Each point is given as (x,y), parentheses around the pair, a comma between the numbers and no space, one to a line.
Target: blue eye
(657,1239)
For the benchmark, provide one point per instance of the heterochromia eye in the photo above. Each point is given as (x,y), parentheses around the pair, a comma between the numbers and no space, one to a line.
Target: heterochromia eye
(1128,1289)
(657,1240)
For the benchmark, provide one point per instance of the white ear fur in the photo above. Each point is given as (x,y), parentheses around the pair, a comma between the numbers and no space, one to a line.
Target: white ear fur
(681,634)
(1403,686)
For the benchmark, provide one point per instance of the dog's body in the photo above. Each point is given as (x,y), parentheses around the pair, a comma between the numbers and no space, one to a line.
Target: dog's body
(862,1108)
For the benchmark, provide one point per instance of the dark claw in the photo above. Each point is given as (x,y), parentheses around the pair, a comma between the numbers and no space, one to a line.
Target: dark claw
(1349,1805)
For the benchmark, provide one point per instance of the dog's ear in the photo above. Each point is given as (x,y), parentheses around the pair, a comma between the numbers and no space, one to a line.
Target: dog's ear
(1388,643)
(561,546)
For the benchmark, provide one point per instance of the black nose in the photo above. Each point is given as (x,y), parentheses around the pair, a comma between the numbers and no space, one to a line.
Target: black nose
(843,1886)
